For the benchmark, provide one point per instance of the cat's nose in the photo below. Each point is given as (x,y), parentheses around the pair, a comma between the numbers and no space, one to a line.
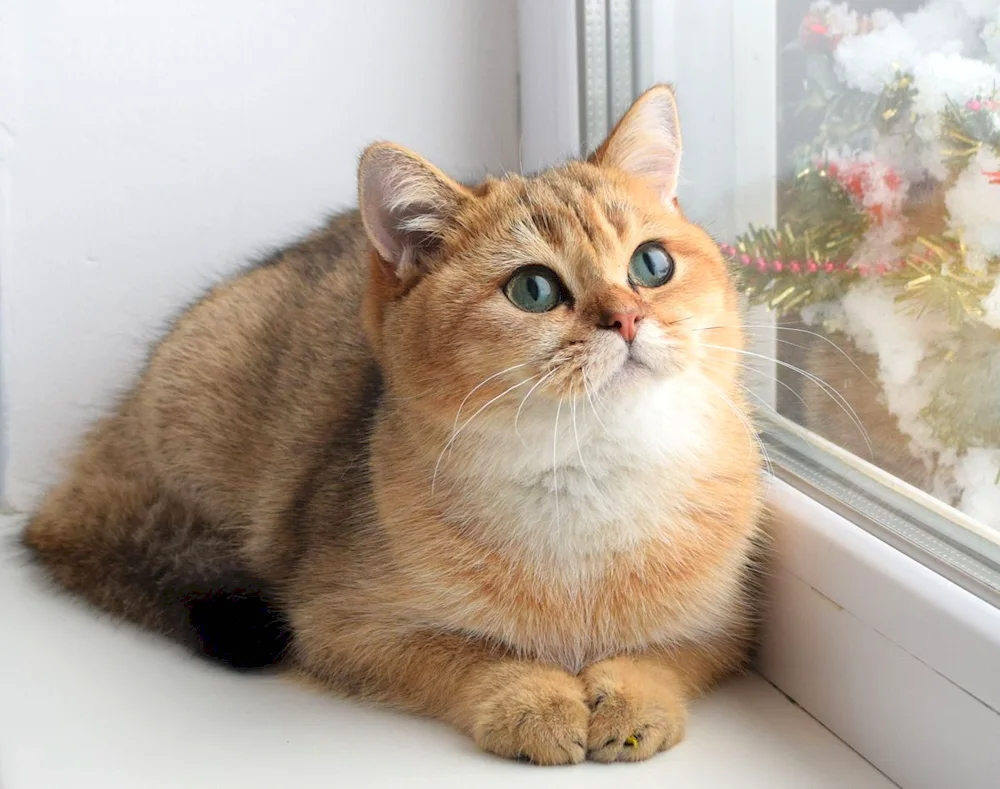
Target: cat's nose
(625,323)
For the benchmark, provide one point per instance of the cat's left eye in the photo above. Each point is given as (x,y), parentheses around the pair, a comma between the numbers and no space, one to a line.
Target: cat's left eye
(651,266)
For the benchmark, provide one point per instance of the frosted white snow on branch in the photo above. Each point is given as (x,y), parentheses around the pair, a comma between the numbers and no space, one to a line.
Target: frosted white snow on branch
(901,341)
(940,78)
(991,307)
(991,37)
(870,61)
(974,205)
(976,474)
(841,20)
(980,9)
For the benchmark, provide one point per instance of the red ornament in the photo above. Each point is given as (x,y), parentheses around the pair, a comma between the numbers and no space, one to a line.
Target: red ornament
(816,32)
(992,176)
(863,178)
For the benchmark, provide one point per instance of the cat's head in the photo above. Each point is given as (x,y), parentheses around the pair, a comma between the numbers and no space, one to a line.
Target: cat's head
(582,281)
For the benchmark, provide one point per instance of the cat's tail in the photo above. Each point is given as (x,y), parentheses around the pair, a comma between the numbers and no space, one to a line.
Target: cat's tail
(112,537)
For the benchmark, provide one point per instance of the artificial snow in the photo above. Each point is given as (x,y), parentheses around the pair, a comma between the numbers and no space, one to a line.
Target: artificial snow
(951,49)
(991,308)
(870,62)
(879,245)
(974,205)
(943,26)
(940,79)
(840,19)
(894,46)
(901,341)
(991,38)
(977,473)
(980,10)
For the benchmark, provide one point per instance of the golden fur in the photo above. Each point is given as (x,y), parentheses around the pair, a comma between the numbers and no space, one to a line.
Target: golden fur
(510,521)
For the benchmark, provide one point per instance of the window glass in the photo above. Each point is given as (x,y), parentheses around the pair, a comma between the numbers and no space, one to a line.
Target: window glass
(882,267)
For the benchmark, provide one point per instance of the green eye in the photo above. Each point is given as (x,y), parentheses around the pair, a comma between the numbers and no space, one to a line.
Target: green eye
(651,266)
(535,289)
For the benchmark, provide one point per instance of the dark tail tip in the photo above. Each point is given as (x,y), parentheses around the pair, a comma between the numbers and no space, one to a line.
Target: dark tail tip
(239,627)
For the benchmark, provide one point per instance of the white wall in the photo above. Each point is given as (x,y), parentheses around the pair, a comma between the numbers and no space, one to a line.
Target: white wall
(147,146)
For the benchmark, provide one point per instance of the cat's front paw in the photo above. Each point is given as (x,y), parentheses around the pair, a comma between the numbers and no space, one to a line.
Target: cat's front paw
(636,710)
(538,715)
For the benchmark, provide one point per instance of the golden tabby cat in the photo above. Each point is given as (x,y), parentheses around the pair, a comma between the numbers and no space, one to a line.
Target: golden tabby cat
(475,452)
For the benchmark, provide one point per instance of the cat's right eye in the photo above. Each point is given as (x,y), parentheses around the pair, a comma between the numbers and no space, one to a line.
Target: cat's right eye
(535,289)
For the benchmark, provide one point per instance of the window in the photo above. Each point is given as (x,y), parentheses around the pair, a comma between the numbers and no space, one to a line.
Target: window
(846,156)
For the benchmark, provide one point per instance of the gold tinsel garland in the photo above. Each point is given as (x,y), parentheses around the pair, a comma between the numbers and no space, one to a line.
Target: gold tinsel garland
(809,258)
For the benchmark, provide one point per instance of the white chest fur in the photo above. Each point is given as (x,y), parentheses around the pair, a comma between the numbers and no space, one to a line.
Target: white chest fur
(583,479)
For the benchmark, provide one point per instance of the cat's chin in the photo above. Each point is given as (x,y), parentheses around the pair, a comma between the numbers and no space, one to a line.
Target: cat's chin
(631,374)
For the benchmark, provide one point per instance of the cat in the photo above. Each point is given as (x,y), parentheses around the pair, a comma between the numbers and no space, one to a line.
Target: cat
(476,452)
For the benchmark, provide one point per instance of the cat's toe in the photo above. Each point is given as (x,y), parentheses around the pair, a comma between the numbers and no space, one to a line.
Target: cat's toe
(632,717)
(538,719)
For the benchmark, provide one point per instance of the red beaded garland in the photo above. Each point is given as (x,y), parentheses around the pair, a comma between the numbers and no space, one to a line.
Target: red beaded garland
(809,266)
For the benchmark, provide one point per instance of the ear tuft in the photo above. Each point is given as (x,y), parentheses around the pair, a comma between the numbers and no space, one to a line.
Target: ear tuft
(646,143)
(406,205)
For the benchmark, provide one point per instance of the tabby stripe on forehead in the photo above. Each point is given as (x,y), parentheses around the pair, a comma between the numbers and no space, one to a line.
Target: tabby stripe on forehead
(618,218)
(591,184)
(572,199)
(549,228)
(597,214)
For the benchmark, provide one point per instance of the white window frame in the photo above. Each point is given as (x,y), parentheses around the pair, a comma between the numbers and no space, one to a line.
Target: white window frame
(895,659)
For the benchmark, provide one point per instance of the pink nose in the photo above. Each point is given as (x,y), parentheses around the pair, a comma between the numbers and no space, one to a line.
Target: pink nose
(625,323)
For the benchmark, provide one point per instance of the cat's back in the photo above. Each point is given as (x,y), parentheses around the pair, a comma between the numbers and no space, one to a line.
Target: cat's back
(254,376)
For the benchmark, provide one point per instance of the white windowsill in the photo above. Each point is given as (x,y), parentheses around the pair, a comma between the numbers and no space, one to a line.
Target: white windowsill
(892,657)
(85,703)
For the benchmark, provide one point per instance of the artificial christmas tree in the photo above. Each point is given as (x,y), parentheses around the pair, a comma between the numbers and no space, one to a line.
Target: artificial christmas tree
(888,239)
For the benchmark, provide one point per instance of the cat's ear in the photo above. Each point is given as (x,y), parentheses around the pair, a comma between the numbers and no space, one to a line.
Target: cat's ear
(406,205)
(646,143)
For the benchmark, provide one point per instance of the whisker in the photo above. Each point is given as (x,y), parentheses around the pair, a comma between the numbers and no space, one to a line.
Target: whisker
(597,416)
(751,432)
(827,340)
(576,435)
(600,400)
(752,393)
(517,416)
(555,473)
(774,378)
(481,384)
(827,388)
(779,382)
(779,327)
(763,402)
(457,433)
